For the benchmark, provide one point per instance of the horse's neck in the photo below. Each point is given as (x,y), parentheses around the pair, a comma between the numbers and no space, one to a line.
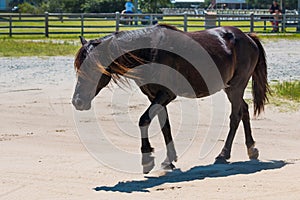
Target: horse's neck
(133,48)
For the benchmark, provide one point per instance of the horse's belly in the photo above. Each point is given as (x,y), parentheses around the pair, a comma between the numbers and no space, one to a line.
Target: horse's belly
(197,94)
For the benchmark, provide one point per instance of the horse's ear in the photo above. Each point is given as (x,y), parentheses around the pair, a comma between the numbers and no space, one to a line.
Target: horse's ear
(82,40)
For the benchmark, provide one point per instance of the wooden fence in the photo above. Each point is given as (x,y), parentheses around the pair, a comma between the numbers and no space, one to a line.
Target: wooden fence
(50,24)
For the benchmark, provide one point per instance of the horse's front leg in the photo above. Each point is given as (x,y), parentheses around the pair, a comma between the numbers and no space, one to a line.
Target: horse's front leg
(147,158)
(158,105)
(166,130)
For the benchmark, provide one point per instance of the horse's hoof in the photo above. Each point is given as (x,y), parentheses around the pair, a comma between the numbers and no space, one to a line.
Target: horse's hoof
(253,153)
(172,157)
(147,162)
(221,160)
(168,166)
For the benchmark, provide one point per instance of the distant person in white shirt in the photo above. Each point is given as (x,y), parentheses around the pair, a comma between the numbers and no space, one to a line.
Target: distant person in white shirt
(129,7)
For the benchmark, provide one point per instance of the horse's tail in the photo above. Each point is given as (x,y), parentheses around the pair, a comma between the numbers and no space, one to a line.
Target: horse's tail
(260,86)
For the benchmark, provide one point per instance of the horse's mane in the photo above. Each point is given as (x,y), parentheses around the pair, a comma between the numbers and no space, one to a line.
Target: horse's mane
(82,52)
(168,27)
(119,69)
(79,58)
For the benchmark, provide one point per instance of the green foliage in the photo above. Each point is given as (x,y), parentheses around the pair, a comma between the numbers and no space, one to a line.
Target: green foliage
(103,6)
(73,6)
(265,4)
(28,8)
(151,6)
(109,6)
(68,6)
(53,6)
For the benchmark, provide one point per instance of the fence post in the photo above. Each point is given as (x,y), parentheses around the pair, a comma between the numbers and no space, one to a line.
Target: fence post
(61,17)
(46,24)
(117,21)
(82,24)
(10,26)
(298,24)
(151,19)
(185,22)
(283,23)
(251,22)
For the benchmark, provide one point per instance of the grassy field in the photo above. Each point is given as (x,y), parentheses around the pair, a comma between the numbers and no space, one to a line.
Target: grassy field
(16,48)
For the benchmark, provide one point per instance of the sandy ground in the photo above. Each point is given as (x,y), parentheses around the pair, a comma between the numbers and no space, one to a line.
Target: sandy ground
(44,156)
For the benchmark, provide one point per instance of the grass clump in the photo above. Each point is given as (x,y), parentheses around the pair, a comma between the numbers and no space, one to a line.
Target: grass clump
(285,95)
(287,89)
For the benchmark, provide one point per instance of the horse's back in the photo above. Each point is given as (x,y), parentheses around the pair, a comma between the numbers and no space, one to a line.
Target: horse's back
(209,60)
(233,51)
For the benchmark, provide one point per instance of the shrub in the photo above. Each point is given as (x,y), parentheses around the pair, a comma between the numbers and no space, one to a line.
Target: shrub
(28,8)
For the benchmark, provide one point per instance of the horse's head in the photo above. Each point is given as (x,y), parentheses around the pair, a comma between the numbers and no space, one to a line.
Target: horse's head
(91,75)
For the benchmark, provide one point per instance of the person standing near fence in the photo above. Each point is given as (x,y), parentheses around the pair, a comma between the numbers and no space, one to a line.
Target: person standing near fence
(275,11)
(129,7)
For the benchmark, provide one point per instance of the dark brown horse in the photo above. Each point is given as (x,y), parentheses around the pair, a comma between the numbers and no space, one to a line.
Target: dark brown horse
(198,65)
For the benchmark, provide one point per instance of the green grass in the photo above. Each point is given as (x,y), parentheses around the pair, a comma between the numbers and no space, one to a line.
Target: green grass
(17,48)
(289,90)
(285,96)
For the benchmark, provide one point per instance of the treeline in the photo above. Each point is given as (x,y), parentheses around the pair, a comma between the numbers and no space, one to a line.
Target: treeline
(87,6)
(287,4)
(110,6)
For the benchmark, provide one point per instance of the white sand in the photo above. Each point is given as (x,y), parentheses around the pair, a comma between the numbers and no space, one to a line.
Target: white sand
(42,156)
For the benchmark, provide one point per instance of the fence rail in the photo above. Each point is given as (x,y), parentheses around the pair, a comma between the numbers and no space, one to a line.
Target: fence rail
(102,23)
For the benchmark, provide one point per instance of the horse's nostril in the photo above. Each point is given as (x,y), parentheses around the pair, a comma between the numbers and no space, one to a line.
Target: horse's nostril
(77,102)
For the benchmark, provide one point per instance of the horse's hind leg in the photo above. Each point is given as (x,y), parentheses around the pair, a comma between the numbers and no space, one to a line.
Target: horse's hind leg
(236,98)
(252,151)
(166,130)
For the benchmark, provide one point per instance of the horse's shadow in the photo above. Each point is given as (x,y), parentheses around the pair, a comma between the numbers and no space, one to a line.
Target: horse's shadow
(195,173)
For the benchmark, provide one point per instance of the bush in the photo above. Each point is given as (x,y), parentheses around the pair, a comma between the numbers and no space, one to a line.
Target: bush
(103,6)
(28,8)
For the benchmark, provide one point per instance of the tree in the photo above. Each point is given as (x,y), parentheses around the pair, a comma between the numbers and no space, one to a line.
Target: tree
(103,6)
(111,6)
(152,6)
(29,8)
(73,6)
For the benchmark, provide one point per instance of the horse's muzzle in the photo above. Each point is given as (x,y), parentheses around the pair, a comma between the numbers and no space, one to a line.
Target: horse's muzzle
(80,104)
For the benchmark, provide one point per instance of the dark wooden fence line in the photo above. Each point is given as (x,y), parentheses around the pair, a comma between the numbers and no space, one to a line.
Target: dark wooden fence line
(102,23)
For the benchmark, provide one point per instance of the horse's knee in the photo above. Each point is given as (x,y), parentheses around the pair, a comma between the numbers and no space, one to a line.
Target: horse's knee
(246,106)
(235,119)
(144,121)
